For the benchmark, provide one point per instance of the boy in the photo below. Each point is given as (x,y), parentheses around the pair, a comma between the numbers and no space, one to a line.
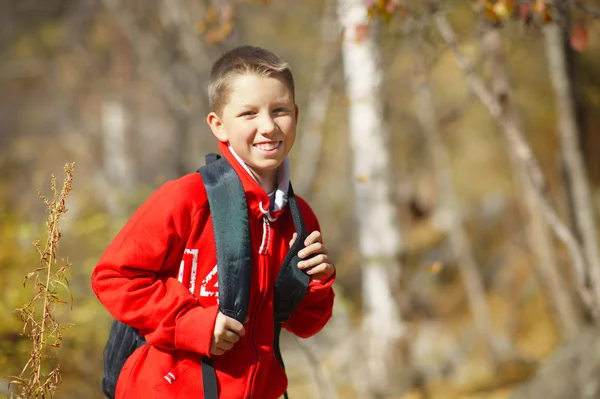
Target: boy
(159,274)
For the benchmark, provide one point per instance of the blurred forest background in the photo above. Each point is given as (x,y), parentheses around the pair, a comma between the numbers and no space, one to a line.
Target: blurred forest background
(449,148)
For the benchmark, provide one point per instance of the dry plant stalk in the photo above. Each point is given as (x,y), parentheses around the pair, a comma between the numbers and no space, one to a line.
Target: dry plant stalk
(41,325)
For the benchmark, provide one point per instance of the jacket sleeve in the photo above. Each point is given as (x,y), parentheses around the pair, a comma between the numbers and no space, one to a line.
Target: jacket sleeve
(316,307)
(133,278)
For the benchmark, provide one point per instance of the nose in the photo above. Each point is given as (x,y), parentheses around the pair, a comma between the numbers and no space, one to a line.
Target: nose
(266,125)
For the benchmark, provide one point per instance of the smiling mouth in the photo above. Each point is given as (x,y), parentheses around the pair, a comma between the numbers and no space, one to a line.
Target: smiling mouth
(268,146)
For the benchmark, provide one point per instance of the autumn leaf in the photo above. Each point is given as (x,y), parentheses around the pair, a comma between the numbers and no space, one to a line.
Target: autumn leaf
(435,268)
(361,31)
(504,8)
(579,38)
(489,13)
(540,6)
(200,27)
(524,11)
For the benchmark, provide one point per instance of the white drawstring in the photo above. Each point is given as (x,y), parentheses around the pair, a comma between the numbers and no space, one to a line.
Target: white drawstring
(266,212)
(266,238)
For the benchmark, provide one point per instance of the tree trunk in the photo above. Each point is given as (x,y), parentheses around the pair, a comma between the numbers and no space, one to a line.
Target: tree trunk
(117,164)
(378,232)
(457,235)
(580,193)
(538,235)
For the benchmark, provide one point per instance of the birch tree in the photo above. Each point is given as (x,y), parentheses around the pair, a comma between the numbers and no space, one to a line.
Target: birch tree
(538,236)
(457,236)
(379,235)
(556,40)
(515,139)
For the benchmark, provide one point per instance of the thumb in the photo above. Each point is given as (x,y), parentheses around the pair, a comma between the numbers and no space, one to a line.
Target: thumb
(293,239)
(235,326)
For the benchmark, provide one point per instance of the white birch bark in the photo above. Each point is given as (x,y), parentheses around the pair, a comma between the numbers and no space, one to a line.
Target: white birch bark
(118,166)
(581,199)
(540,240)
(378,232)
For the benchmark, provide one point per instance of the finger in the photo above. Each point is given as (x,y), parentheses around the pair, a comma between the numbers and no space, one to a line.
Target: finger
(224,345)
(313,237)
(235,326)
(230,336)
(293,239)
(217,351)
(316,248)
(312,262)
(325,269)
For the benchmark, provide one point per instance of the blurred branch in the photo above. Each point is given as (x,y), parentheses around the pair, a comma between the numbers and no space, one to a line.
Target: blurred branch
(148,49)
(459,242)
(591,11)
(515,138)
(311,139)
(537,232)
(458,111)
(181,19)
(325,386)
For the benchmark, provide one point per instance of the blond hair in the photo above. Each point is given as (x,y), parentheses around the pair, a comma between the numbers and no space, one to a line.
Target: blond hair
(244,60)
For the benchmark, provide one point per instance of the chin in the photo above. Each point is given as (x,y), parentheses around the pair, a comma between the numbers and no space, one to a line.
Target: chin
(267,165)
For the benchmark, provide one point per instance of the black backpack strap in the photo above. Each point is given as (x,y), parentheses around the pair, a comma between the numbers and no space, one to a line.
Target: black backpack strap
(229,212)
(292,283)
(210,158)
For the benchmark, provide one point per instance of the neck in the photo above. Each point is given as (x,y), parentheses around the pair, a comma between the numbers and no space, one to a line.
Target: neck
(267,181)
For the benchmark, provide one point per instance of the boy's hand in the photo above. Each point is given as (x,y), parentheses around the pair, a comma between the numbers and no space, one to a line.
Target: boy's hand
(319,266)
(227,332)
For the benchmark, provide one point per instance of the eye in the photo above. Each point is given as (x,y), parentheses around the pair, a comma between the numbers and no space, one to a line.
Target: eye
(280,110)
(246,113)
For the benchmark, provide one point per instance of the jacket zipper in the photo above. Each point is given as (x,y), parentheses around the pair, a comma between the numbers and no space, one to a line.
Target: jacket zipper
(261,259)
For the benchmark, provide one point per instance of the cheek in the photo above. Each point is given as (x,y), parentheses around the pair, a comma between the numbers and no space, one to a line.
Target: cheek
(288,126)
(241,132)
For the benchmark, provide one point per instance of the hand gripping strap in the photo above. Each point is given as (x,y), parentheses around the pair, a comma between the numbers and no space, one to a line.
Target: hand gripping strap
(291,283)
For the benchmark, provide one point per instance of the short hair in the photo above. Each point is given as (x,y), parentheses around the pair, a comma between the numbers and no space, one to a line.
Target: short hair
(244,60)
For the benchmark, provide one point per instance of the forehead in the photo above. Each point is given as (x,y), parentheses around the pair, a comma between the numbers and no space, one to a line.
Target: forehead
(252,89)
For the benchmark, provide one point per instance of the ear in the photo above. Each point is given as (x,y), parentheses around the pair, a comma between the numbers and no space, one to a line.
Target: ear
(216,125)
(297,111)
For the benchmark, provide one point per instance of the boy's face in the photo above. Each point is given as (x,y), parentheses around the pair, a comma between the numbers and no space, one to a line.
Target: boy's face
(259,122)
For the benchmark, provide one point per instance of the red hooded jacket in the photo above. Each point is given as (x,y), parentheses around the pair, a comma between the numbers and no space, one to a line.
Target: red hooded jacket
(159,275)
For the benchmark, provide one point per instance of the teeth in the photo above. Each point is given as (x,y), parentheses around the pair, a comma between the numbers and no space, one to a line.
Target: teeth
(267,146)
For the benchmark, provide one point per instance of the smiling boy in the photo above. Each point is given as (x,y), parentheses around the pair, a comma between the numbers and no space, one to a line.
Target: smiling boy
(159,274)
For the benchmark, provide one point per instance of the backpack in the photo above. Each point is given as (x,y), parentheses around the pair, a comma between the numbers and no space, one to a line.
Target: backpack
(227,204)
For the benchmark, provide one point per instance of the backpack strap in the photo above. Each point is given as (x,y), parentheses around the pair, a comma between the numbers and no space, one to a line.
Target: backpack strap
(229,212)
(292,283)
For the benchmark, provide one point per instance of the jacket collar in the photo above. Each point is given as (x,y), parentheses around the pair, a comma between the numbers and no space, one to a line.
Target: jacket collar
(257,199)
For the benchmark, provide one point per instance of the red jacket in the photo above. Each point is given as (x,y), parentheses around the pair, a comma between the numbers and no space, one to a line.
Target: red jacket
(159,275)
